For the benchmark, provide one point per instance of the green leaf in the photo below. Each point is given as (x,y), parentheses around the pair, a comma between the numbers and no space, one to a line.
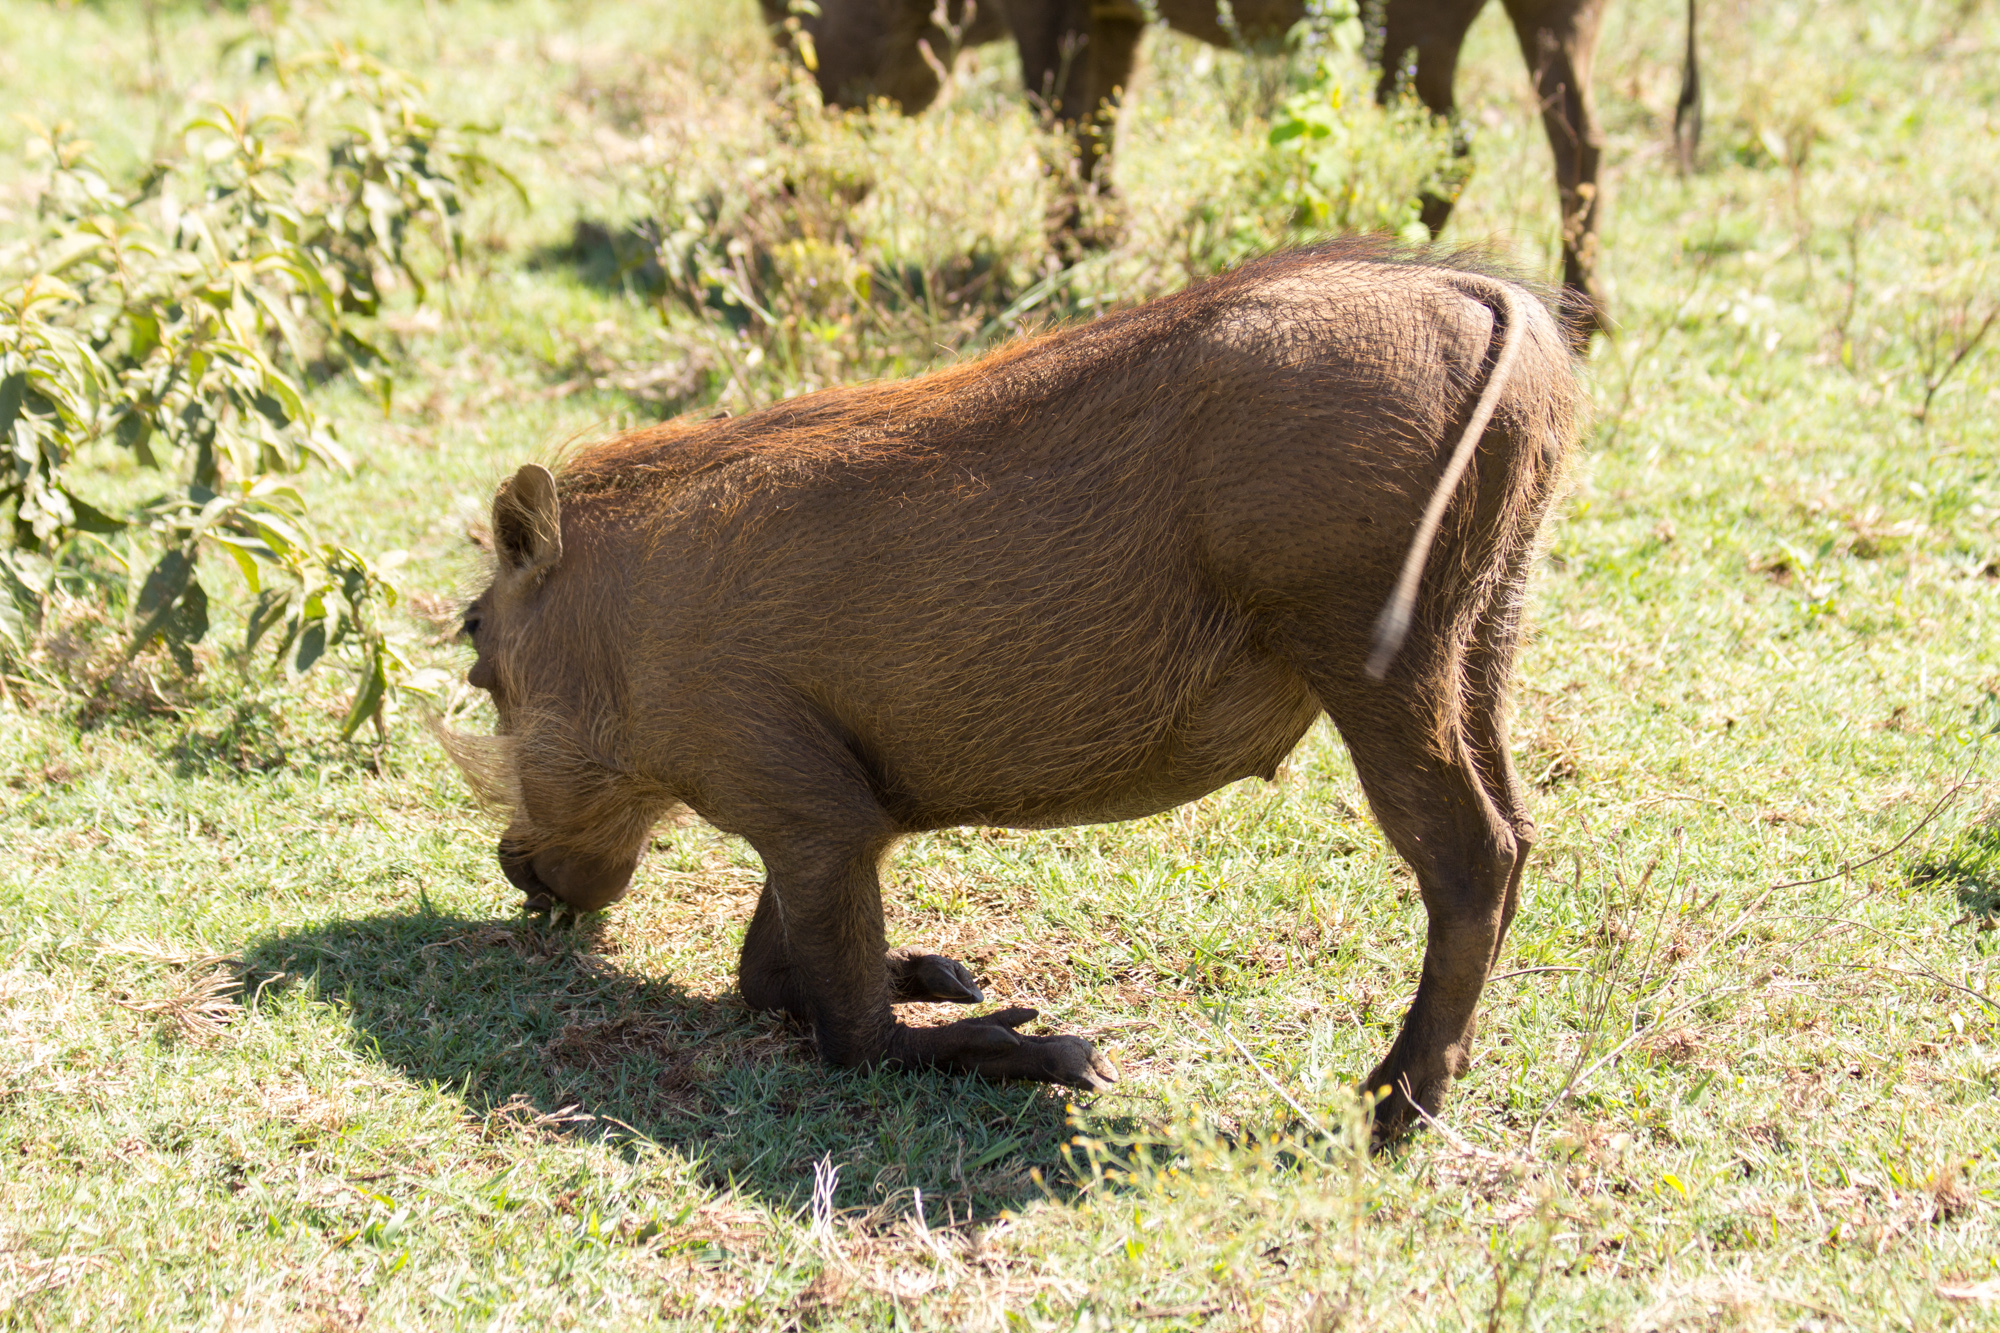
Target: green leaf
(135,432)
(273,409)
(266,611)
(165,583)
(22,588)
(245,557)
(162,589)
(13,390)
(312,644)
(367,699)
(89,518)
(280,536)
(14,628)
(187,626)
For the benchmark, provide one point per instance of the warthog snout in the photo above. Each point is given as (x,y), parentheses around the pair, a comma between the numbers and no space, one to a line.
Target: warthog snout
(554,877)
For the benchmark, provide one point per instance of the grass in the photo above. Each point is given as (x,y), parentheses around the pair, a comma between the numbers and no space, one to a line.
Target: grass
(278,1050)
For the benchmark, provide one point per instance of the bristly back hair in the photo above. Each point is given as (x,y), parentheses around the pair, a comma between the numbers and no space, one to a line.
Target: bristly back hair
(878,422)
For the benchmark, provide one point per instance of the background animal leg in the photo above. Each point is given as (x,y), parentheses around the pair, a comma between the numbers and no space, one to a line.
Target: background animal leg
(1425,789)
(1113,50)
(1434,30)
(1053,37)
(1076,61)
(1559,42)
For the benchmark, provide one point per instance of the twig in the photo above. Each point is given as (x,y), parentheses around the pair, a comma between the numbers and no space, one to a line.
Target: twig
(1530,971)
(1846,868)
(1929,975)
(1458,1141)
(1678,796)
(1931,386)
(1849,867)
(1621,1047)
(1579,1078)
(1222,1026)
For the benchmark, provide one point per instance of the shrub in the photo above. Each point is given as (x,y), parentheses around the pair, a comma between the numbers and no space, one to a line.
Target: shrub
(1333,161)
(177,319)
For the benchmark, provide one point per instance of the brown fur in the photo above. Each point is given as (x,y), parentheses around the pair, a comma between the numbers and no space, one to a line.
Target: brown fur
(1078,56)
(1089,577)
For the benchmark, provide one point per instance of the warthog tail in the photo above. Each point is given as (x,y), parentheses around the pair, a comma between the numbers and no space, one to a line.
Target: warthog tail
(1393,625)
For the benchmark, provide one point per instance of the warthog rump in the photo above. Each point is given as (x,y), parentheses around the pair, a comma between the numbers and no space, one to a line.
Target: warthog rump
(1089,577)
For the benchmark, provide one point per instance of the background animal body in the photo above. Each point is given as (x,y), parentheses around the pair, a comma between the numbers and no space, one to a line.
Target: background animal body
(1078,57)
(1091,577)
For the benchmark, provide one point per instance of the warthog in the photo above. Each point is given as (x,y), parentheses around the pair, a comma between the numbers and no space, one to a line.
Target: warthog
(1089,577)
(1077,56)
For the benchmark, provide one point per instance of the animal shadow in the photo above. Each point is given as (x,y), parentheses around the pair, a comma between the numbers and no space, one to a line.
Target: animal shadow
(534,1023)
(610,257)
(1970,867)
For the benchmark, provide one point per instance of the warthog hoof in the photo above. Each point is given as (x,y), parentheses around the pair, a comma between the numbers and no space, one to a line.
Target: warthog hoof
(915,976)
(1395,1113)
(990,1047)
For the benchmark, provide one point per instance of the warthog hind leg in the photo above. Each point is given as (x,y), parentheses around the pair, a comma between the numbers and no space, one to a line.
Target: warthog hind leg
(1427,791)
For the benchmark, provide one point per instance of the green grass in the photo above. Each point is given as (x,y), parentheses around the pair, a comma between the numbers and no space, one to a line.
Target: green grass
(278,1050)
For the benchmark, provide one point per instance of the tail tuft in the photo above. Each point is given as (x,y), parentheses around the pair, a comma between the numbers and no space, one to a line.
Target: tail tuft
(1391,628)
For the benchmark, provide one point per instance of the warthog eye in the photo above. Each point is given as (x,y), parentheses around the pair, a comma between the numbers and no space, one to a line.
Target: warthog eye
(470,627)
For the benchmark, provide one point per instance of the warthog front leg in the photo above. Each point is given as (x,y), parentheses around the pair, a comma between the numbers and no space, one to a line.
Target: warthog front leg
(816,948)
(770,981)
(990,1046)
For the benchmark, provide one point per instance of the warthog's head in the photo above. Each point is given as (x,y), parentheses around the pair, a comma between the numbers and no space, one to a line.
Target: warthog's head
(576,822)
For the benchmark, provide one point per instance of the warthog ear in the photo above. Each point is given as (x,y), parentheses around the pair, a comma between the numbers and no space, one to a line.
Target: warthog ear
(527,521)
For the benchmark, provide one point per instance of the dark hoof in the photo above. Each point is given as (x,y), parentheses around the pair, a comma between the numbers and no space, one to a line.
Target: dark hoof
(1074,1063)
(1395,1114)
(990,1047)
(917,976)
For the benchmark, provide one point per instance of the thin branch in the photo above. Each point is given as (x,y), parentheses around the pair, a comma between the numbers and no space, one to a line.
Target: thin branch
(1570,1088)
(1583,1075)
(1929,975)
(1222,1026)
(1931,386)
